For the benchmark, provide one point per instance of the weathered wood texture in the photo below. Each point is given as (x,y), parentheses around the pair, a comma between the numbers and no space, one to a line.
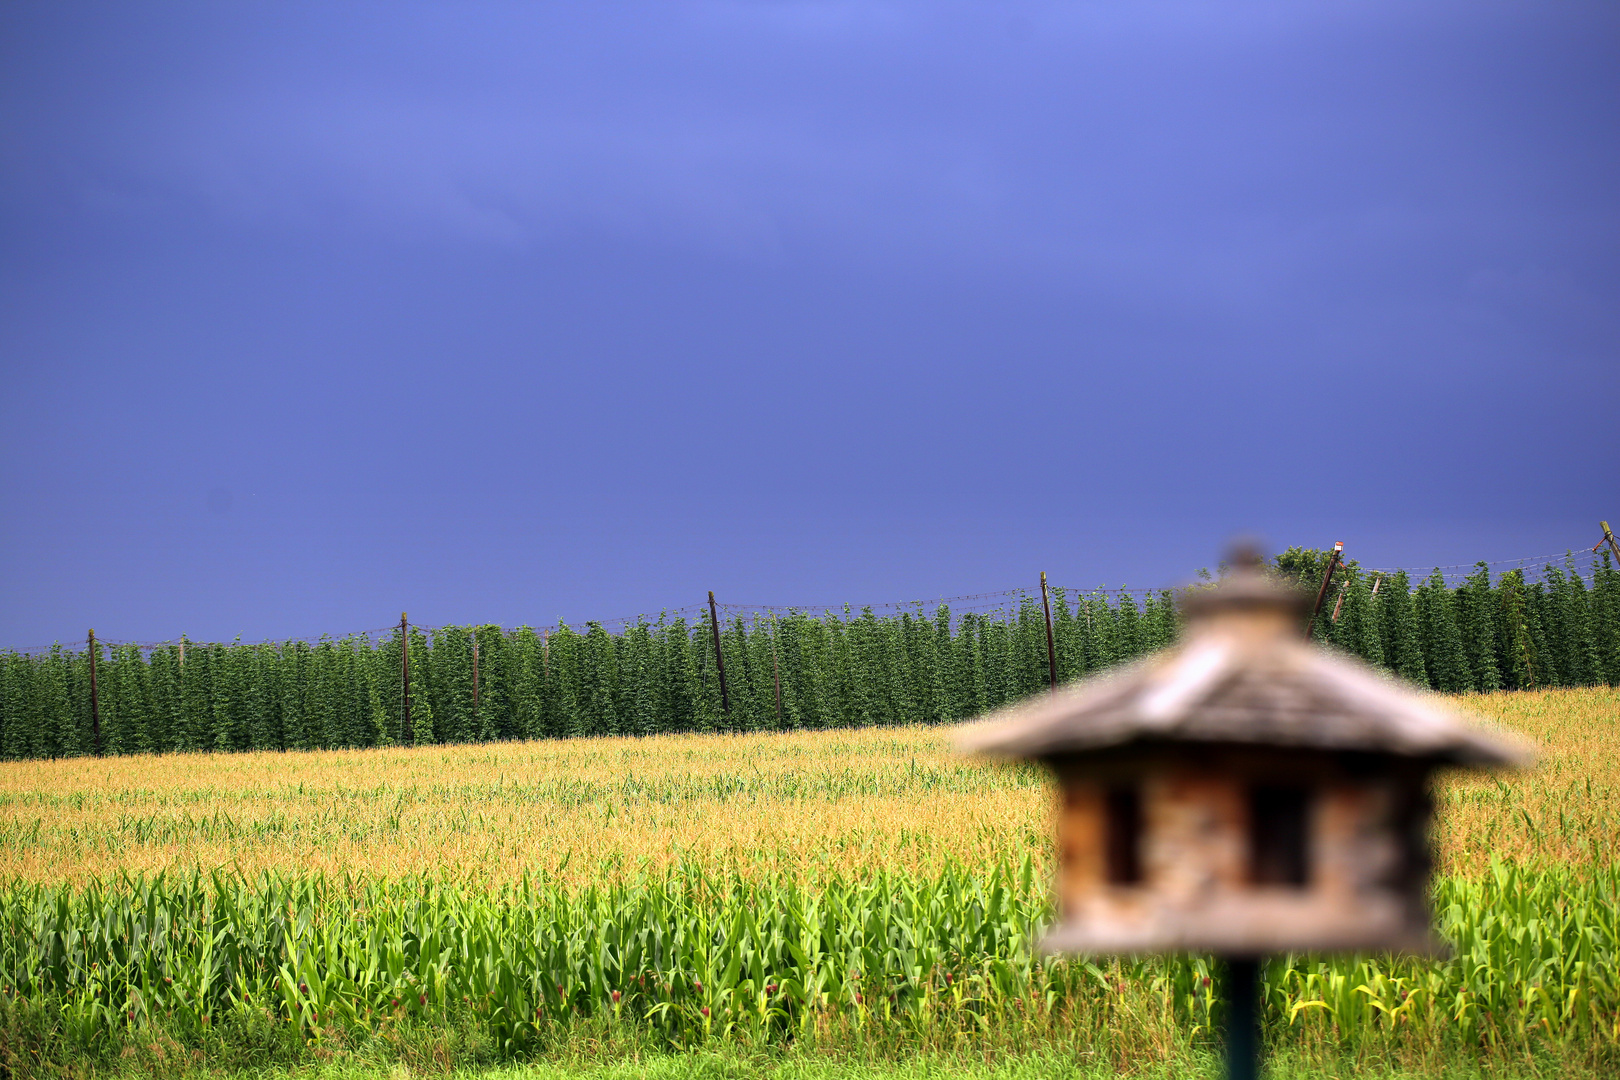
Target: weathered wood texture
(1366,858)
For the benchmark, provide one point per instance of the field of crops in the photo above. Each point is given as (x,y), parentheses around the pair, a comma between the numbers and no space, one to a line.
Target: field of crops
(858,892)
(580,811)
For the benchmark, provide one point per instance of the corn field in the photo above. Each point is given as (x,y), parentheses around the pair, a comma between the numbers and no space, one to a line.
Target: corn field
(787,672)
(691,956)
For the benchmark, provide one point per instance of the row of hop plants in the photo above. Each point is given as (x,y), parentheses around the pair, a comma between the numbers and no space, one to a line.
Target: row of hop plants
(834,670)
(1481,635)
(693,956)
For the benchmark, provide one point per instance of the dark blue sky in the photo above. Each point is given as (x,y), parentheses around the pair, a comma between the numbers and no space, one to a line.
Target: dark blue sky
(513,313)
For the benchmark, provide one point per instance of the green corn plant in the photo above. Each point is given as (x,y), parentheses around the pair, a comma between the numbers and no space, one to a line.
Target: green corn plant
(697,955)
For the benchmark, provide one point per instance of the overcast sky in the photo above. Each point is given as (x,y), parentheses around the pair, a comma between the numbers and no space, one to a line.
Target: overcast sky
(512,313)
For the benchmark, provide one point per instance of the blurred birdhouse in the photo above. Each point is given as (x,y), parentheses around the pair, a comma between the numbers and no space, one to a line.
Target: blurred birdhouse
(1244,792)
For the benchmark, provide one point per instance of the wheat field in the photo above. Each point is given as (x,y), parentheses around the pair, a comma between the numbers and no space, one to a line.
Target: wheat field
(800,805)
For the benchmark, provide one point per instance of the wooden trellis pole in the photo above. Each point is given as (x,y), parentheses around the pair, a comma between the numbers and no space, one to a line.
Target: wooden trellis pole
(405,676)
(1051,651)
(95,703)
(1608,538)
(719,660)
(1327,577)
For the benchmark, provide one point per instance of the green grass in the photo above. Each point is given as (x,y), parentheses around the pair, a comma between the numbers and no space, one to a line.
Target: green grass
(729,1063)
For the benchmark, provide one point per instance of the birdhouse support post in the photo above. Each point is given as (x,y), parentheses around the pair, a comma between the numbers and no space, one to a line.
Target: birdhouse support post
(1242,1018)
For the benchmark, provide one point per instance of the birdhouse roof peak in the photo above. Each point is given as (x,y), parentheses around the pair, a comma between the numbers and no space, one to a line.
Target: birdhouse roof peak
(1246,587)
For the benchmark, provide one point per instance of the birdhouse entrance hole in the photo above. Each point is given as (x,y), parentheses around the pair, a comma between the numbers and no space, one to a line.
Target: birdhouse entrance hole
(1123,815)
(1279,836)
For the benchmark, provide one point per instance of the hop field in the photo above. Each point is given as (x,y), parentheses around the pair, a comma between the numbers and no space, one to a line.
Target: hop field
(862,892)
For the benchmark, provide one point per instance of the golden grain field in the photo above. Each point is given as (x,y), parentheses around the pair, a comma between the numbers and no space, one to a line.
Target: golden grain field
(798,804)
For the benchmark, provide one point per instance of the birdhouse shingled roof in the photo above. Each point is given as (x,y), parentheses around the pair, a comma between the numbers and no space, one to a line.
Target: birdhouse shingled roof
(1242,675)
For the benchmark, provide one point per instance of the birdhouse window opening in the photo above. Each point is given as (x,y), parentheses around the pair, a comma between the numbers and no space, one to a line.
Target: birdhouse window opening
(1279,836)
(1123,820)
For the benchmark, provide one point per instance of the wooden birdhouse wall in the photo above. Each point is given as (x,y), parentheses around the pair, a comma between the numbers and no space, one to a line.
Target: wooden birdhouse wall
(1241,851)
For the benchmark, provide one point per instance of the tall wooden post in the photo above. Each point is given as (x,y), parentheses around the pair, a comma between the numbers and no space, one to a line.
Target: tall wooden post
(719,660)
(95,704)
(405,676)
(1051,652)
(1321,594)
(1608,538)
